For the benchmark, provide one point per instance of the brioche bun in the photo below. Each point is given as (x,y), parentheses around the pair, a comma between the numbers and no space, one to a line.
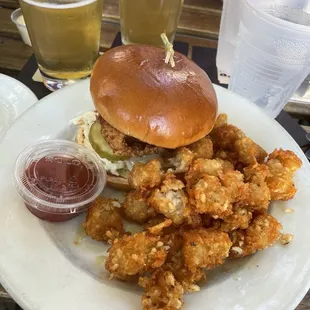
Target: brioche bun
(141,96)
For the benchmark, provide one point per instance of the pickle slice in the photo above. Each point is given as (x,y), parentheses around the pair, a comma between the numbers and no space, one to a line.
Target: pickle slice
(100,145)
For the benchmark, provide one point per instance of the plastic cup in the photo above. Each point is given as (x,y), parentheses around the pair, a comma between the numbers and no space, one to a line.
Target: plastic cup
(272,56)
(58,179)
(18,19)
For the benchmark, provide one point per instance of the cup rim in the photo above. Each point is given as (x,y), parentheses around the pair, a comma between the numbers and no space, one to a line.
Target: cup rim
(15,14)
(279,22)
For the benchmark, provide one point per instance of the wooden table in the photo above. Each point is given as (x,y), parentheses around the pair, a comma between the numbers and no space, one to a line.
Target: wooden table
(199,26)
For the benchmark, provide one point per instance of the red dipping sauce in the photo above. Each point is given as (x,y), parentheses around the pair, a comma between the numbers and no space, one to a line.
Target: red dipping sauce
(58,179)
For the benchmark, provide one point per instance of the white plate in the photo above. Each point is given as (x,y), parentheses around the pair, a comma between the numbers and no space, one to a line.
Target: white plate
(15,98)
(42,268)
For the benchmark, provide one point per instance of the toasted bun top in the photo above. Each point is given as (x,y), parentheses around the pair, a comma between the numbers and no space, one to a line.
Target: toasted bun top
(141,96)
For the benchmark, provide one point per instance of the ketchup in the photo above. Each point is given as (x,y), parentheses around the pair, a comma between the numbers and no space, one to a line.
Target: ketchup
(59,186)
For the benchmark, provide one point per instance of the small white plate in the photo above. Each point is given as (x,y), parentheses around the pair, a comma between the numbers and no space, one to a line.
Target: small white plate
(15,99)
(42,268)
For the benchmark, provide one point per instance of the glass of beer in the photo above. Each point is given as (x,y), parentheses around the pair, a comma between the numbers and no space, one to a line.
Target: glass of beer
(143,21)
(65,36)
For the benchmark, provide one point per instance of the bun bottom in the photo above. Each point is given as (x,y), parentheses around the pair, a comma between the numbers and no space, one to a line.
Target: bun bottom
(118,183)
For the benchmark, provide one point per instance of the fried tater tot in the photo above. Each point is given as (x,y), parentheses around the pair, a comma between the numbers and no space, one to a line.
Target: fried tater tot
(174,241)
(262,233)
(136,208)
(208,195)
(230,139)
(146,175)
(203,148)
(103,221)
(229,156)
(188,279)
(220,120)
(233,181)
(240,218)
(225,136)
(258,198)
(201,166)
(256,173)
(288,159)
(181,160)
(280,183)
(135,254)
(204,248)
(175,264)
(248,151)
(193,220)
(161,291)
(171,200)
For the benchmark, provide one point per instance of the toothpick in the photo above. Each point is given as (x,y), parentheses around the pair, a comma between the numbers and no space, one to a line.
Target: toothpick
(168,49)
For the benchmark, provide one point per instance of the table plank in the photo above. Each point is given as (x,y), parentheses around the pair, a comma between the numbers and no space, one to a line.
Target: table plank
(215,5)
(305,303)
(7,27)
(13,54)
(12,4)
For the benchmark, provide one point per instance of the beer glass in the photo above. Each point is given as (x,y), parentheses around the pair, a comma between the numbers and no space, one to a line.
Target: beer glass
(65,36)
(143,21)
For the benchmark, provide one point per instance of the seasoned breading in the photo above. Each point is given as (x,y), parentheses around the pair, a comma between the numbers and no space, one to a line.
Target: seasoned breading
(280,183)
(203,148)
(204,248)
(240,218)
(146,175)
(103,221)
(175,264)
(160,227)
(229,138)
(258,198)
(262,233)
(229,156)
(136,208)
(201,166)
(208,195)
(171,199)
(225,136)
(135,254)
(256,173)
(233,181)
(181,160)
(249,152)
(287,158)
(220,120)
(161,291)
(125,145)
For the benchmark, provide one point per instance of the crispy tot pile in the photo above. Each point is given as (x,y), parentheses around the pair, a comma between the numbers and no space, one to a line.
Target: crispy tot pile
(202,204)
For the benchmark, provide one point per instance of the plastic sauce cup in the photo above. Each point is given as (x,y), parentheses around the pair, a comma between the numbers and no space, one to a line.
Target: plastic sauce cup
(58,179)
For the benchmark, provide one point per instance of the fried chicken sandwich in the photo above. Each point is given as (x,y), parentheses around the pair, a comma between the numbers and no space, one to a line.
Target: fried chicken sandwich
(144,108)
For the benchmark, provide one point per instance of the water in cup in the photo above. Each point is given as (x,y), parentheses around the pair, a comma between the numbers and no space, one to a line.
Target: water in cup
(272,56)
(65,37)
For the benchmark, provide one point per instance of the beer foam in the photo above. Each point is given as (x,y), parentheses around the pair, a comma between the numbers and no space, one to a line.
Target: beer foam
(59,6)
